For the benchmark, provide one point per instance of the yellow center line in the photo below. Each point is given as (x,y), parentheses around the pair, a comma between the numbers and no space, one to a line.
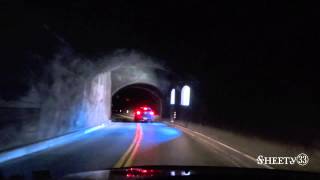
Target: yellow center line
(127,158)
(129,162)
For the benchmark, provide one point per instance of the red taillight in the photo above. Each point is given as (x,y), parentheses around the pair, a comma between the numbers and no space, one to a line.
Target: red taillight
(139,172)
(138,112)
(152,113)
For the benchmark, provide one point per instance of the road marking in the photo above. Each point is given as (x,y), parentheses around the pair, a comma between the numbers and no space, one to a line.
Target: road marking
(222,144)
(125,116)
(127,158)
(129,162)
(215,148)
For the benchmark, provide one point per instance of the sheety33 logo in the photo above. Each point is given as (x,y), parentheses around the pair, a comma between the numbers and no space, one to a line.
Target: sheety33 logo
(301,159)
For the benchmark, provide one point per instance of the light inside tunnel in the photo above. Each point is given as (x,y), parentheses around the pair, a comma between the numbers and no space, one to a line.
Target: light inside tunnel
(94,129)
(185,96)
(173,96)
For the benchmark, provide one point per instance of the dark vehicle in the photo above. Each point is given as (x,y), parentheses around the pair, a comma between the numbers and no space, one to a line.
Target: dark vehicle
(144,114)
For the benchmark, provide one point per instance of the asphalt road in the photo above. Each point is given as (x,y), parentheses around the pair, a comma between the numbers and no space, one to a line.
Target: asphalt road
(128,144)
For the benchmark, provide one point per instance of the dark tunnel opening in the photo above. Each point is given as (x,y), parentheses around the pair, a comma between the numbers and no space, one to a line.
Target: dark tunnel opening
(128,99)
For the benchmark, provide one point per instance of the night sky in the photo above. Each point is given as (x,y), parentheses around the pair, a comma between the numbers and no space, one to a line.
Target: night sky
(246,59)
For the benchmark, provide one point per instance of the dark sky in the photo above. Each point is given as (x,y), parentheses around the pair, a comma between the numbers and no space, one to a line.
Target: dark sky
(240,52)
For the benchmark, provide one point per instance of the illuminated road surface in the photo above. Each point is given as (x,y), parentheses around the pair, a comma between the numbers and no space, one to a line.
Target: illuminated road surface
(127,144)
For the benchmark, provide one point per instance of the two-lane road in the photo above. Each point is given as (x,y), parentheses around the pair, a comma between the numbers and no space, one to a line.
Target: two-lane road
(128,144)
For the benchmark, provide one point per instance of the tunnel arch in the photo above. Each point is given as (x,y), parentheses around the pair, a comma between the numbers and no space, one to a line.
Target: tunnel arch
(81,91)
(148,88)
(135,84)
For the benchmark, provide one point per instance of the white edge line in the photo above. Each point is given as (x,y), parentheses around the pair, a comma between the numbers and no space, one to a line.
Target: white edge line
(224,145)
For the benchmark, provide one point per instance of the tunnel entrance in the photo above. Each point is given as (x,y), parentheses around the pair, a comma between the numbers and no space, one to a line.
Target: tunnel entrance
(128,99)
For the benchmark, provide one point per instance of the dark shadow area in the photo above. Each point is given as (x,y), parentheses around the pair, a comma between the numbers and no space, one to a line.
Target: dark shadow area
(271,113)
(18,126)
(284,123)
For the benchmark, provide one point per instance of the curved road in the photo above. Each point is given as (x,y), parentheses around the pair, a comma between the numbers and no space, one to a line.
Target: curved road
(128,144)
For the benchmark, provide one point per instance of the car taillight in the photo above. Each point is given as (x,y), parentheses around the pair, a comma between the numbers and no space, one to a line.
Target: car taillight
(138,112)
(152,113)
(140,173)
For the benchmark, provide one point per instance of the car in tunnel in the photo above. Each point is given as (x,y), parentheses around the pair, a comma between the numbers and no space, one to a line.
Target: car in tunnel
(144,114)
